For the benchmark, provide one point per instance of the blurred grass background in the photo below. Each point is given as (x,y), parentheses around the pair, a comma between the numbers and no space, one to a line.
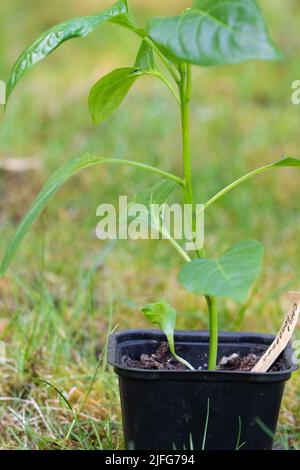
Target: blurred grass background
(66,289)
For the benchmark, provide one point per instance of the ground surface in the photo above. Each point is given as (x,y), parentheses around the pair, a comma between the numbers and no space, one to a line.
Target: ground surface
(66,290)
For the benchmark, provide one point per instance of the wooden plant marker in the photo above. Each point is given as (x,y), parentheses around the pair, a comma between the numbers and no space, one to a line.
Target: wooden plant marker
(283,337)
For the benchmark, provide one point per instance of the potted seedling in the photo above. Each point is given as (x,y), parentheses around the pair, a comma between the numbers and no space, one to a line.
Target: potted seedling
(177,390)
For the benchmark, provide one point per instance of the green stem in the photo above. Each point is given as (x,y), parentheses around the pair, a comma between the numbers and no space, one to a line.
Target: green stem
(180,250)
(183,361)
(185,96)
(236,183)
(213,334)
(166,82)
(144,166)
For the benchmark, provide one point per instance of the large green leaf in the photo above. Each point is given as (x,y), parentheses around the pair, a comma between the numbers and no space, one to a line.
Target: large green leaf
(54,37)
(215,32)
(164,315)
(108,93)
(232,275)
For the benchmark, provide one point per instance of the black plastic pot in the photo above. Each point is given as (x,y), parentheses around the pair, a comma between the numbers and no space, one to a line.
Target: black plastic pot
(182,410)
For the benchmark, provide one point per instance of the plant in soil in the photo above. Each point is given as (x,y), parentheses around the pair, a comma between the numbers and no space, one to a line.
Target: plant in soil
(211,33)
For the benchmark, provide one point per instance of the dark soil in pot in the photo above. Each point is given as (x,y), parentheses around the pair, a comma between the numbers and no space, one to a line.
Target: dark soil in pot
(170,409)
(162,359)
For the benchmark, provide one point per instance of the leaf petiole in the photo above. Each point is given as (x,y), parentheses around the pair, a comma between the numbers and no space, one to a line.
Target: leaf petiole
(164,79)
(284,162)
(146,167)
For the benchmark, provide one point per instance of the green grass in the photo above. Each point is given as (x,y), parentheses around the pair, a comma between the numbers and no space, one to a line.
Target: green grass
(66,290)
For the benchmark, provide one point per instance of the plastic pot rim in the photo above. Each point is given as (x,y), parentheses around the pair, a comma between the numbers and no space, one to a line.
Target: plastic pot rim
(236,338)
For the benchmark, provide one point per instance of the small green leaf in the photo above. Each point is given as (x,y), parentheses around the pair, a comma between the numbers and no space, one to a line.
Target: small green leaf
(159,193)
(164,315)
(145,58)
(215,32)
(145,62)
(54,37)
(108,93)
(155,217)
(232,275)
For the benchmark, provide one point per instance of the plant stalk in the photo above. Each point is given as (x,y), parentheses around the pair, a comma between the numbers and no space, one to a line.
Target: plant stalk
(236,183)
(144,166)
(185,96)
(213,333)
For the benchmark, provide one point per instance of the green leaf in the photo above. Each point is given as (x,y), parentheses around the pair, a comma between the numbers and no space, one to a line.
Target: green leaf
(159,193)
(164,315)
(286,162)
(215,32)
(145,58)
(54,37)
(108,93)
(232,275)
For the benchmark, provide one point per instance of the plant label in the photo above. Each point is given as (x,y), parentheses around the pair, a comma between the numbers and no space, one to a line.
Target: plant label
(283,337)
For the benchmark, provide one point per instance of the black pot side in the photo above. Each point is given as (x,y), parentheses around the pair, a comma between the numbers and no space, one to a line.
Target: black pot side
(201,410)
